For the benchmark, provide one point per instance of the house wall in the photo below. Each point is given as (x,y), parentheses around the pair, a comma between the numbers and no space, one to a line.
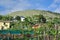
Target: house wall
(5,25)
(1,25)
(22,19)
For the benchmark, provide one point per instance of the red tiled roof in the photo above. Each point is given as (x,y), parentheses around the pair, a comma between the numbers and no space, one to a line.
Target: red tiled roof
(36,26)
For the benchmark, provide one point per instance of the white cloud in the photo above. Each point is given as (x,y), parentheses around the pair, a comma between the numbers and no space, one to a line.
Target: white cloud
(58,9)
(21,6)
(18,5)
(14,5)
(55,5)
(57,1)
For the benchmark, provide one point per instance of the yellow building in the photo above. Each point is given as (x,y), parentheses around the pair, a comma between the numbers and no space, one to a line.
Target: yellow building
(4,25)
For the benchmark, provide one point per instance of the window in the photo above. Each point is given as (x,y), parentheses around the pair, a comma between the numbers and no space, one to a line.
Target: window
(4,23)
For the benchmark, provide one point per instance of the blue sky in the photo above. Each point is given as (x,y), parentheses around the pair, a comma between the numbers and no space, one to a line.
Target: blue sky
(8,6)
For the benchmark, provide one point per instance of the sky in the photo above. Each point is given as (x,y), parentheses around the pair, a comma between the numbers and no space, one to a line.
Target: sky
(8,6)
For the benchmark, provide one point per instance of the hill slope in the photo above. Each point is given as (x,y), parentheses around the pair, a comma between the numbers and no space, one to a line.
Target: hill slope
(34,12)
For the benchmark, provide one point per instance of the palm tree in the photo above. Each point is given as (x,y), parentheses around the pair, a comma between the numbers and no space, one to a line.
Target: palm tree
(41,30)
(56,22)
(49,26)
(39,33)
(51,30)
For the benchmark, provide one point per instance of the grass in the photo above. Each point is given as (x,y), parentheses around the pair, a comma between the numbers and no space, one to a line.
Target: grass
(34,12)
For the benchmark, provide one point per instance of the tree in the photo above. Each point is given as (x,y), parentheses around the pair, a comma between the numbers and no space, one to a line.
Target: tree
(9,17)
(35,19)
(4,18)
(51,31)
(18,18)
(29,19)
(42,19)
(0,17)
(56,20)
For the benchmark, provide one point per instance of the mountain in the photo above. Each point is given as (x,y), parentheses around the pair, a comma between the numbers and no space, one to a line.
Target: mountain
(34,12)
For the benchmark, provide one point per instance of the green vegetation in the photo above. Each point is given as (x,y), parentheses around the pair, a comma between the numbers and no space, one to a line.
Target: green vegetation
(4,18)
(34,12)
(48,22)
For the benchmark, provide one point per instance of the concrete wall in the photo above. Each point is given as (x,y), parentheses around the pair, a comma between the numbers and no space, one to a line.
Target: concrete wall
(4,25)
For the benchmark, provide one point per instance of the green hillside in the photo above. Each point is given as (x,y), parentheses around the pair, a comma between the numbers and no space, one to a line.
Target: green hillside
(34,12)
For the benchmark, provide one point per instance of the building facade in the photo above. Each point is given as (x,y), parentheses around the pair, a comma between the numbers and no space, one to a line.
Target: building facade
(4,25)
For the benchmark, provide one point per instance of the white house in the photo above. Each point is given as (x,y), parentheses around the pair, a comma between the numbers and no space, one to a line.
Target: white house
(14,19)
(22,18)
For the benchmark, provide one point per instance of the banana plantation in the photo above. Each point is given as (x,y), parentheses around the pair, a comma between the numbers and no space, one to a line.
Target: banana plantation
(36,27)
